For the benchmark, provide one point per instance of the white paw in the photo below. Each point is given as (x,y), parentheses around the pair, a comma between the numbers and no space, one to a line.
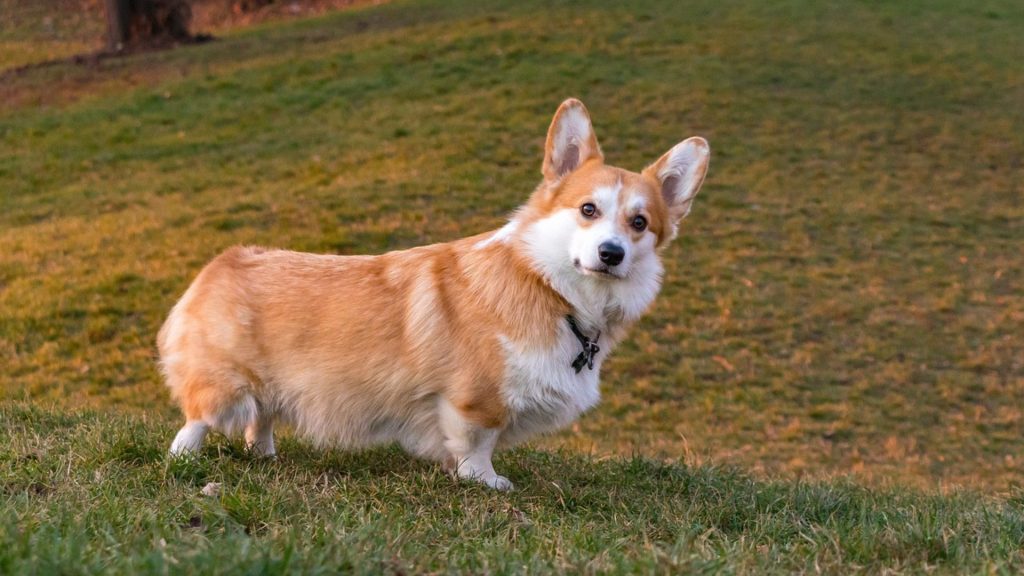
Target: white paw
(190,438)
(179,448)
(259,451)
(498,483)
(489,479)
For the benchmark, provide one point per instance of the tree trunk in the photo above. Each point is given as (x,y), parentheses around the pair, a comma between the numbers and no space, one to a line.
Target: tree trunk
(117,23)
(138,23)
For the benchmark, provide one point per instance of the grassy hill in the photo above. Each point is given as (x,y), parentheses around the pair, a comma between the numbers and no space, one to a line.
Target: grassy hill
(93,494)
(844,300)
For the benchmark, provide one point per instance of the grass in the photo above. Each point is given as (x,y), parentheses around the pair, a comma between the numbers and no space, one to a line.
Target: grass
(93,494)
(41,31)
(844,300)
(34,32)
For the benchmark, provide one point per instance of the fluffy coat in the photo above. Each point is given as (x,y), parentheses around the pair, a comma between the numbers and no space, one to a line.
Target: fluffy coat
(452,350)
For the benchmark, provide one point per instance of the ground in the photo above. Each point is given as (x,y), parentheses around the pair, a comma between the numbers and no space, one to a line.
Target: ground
(45,31)
(92,493)
(844,300)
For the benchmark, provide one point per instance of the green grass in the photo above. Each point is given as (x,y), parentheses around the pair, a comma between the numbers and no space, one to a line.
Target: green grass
(42,30)
(90,493)
(844,300)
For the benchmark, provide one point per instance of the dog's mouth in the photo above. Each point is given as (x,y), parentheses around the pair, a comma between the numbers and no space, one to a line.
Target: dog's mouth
(602,272)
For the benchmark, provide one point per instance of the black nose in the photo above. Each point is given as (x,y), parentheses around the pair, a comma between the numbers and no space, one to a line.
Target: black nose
(611,253)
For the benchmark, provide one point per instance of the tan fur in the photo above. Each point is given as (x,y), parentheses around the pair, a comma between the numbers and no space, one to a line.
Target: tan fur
(576,189)
(428,316)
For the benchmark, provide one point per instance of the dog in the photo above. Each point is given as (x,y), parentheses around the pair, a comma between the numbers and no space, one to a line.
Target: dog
(451,350)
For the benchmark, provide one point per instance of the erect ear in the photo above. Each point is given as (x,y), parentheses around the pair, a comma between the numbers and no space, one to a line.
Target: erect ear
(571,141)
(680,171)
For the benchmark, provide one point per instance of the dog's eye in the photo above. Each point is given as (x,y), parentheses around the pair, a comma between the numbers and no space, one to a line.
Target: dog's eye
(639,223)
(588,210)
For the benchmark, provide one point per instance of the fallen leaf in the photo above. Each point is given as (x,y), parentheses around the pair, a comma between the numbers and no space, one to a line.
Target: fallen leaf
(724,363)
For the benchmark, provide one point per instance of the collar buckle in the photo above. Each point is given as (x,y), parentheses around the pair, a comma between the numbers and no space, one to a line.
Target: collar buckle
(590,347)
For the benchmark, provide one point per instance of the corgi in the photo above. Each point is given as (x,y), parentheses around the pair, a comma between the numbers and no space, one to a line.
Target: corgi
(451,350)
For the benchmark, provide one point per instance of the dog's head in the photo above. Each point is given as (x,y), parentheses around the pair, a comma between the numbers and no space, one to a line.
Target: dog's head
(605,222)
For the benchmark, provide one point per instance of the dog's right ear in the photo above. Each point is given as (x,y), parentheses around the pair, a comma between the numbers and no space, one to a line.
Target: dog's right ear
(571,141)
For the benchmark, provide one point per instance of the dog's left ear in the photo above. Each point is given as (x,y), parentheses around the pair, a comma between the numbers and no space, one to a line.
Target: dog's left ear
(680,171)
(571,141)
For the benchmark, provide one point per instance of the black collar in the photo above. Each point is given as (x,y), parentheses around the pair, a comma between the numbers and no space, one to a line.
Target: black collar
(590,349)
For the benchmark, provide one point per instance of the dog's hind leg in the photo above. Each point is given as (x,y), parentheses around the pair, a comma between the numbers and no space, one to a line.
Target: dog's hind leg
(259,436)
(212,400)
(190,438)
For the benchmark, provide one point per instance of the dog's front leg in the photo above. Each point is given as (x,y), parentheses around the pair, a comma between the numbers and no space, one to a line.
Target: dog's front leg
(470,447)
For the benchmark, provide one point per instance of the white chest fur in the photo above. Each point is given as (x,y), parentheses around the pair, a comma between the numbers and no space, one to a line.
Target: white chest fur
(543,391)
